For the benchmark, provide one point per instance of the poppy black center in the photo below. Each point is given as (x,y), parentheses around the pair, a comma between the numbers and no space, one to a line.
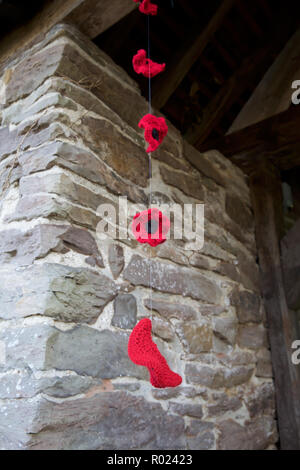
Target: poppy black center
(151,226)
(155,134)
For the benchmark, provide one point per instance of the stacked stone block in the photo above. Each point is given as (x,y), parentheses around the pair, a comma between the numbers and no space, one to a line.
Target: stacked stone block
(69,142)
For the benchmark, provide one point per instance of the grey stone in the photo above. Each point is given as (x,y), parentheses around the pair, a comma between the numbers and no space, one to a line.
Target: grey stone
(252,336)
(264,364)
(225,329)
(23,384)
(196,337)
(186,409)
(217,377)
(32,207)
(66,293)
(81,162)
(163,329)
(255,435)
(172,253)
(247,305)
(111,420)
(261,400)
(203,262)
(84,350)
(116,259)
(96,353)
(239,212)
(168,278)
(200,435)
(125,311)
(193,392)
(61,185)
(188,184)
(171,310)
(222,404)
(165,393)
(238,358)
(23,248)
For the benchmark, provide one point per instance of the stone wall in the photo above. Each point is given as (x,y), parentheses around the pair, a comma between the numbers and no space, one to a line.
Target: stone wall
(69,141)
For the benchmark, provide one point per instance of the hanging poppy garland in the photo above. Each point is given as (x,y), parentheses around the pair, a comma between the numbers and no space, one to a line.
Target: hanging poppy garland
(151,227)
(146,67)
(156,130)
(147,7)
(144,352)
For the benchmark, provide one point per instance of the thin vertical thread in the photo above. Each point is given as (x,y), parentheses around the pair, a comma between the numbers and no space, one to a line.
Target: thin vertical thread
(150,159)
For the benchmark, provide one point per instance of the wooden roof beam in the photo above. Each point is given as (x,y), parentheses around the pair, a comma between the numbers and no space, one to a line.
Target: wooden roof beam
(233,88)
(186,57)
(92,17)
(276,139)
(273,94)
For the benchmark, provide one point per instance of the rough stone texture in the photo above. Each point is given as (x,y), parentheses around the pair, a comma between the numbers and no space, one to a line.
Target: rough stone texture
(170,310)
(69,141)
(59,425)
(255,435)
(22,248)
(247,306)
(225,329)
(217,377)
(116,259)
(26,385)
(264,364)
(82,349)
(83,162)
(200,435)
(252,336)
(66,293)
(222,403)
(261,400)
(189,185)
(125,311)
(167,278)
(196,338)
(194,411)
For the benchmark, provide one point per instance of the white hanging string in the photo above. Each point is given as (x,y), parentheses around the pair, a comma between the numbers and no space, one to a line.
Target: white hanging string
(150,164)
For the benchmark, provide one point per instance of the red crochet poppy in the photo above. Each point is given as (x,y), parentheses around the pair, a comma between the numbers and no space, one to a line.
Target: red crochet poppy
(146,66)
(144,352)
(150,226)
(147,7)
(156,130)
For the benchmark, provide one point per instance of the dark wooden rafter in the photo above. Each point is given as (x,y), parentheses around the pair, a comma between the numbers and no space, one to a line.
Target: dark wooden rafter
(266,194)
(227,57)
(90,16)
(210,65)
(186,57)
(93,17)
(233,88)
(276,139)
(251,69)
(250,21)
(273,94)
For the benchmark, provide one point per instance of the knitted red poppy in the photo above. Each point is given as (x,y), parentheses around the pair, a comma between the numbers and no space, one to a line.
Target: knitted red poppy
(147,7)
(156,130)
(143,352)
(146,66)
(151,227)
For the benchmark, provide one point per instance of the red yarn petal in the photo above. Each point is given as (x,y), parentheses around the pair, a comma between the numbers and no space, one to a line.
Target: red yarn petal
(139,227)
(150,123)
(147,7)
(145,66)
(144,352)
